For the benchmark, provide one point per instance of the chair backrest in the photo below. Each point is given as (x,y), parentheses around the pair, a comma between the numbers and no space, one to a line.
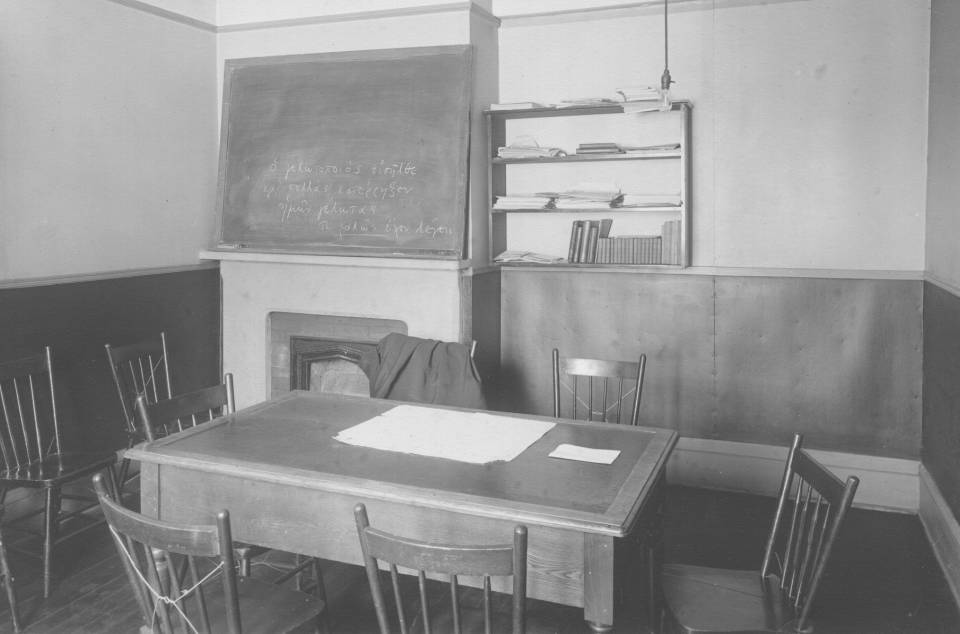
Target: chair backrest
(504,560)
(185,410)
(810,510)
(168,566)
(597,389)
(140,368)
(29,428)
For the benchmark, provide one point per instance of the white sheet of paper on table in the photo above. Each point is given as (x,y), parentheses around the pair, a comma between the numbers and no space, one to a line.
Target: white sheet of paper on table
(585,454)
(474,437)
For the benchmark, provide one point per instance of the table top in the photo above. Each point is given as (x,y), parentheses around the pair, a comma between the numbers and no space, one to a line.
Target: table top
(289,439)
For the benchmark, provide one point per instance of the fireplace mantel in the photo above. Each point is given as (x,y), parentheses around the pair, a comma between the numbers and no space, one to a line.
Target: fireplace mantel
(234,255)
(433,298)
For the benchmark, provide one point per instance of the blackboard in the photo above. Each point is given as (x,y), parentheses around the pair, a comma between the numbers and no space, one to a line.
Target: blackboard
(357,153)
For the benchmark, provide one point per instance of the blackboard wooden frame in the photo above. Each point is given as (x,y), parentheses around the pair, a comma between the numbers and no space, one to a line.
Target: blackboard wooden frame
(351,153)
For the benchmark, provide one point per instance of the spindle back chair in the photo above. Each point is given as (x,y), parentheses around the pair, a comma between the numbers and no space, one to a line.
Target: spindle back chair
(811,507)
(453,561)
(597,389)
(140,368)
(34,453)
(179,589)
(160,418)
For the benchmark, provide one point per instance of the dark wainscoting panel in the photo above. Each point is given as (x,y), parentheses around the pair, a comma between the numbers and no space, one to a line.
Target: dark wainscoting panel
(749,359)
(485,322)
(615,316)
(838,359)
(941,390)
(76,319)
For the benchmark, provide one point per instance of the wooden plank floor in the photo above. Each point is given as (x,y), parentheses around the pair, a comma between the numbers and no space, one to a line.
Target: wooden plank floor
(884,578)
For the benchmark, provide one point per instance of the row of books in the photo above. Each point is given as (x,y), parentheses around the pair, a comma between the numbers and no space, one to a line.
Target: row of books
(672,232)
(584,238)
(630,250)
(591,243)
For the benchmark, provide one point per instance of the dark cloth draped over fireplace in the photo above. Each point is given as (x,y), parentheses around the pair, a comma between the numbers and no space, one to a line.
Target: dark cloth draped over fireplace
(424,371)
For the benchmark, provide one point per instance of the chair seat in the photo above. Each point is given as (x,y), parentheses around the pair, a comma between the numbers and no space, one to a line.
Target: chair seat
(705,599)
(264,607)
(57,469)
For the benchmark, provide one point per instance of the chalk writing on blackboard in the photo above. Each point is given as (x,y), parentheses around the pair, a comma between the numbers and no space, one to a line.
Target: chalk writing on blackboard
(363,151)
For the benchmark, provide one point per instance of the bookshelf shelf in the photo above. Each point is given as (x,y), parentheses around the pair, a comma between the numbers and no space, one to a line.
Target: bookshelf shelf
(642,235)
(589,210)
(577,158)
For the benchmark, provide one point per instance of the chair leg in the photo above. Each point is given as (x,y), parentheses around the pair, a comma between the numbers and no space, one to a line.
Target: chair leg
(50,526)
(8,583)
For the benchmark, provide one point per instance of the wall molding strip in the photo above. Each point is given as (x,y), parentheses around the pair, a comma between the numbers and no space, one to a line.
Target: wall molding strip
(610,11)
(888,484)
(168,15)
(103,275)
(379,14)
(719,271)
(943,531)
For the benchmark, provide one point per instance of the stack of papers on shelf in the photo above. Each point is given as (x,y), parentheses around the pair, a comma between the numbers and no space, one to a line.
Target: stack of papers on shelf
(519,105)
(640,98)
(524,202)
(527,256)
(644,149)
(639,93)
(589,196)
(586,101)
(599,148)
(650,200)
(527,147)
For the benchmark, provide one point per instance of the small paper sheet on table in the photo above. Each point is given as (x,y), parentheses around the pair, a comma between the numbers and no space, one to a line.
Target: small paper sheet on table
(585,454)
(474,437)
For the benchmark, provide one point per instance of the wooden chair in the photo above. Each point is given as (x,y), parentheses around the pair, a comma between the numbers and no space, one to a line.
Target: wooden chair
(595,389)
(178,589)
(8,583)
(171,415)
(777,598)
(445,559)
(35,456)
(139,368)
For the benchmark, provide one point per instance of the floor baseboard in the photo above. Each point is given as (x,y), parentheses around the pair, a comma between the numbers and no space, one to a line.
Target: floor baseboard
(943,531)
(888,484)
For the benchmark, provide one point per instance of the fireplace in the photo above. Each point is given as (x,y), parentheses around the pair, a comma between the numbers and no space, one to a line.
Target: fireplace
(321,352)
(328,365)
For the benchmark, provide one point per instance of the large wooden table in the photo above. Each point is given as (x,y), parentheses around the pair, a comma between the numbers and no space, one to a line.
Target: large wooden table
(289,485)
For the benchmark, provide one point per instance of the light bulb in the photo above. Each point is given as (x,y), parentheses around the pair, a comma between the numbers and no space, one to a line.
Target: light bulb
(666,103)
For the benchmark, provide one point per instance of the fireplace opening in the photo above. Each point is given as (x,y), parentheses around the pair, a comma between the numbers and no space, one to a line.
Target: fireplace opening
(328,365)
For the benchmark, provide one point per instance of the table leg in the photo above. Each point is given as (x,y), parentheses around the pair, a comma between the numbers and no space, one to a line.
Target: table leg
(598,582)
(150,489)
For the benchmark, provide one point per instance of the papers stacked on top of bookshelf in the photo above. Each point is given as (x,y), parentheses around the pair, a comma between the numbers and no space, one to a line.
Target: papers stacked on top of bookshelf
(639,98)
(599,148)
(589,196)
(582,102)
(650,149)
(524,202)
(527,256)
(527,147)
(519,105)
(650,200)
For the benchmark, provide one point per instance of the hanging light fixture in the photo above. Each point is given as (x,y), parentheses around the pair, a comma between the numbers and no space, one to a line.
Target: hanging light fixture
(666,103)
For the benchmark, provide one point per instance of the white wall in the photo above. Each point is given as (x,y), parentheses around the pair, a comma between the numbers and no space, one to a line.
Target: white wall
(107,138)
(943,203)
(809,122)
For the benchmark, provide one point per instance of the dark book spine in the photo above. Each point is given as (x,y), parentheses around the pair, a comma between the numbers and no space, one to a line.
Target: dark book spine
(578,239)
(590,247)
